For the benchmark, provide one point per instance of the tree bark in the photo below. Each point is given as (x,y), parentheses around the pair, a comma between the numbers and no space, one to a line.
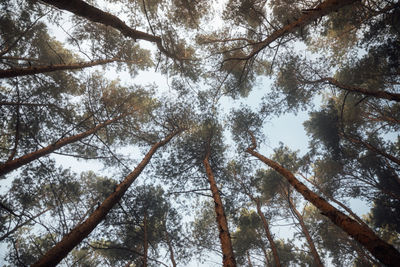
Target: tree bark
(321,10)
(228,258)
(383,251)
(249,259)
(310,242)
(18,162)
(170,248)
(268,233)
(82,9)
(80,232)
(15,72)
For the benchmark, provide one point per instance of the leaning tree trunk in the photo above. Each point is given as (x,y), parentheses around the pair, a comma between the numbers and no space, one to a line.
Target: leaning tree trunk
(224,236)
(82,9)
(310,242)
(80,232)
(16,163)
(15,72)
(383,251)
(170,248)
(268,233)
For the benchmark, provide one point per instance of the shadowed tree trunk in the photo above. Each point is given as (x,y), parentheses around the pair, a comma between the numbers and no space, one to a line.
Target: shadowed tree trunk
(303,226)
(228,257)
(268,233)
(15,72)
(18,162)
(170,248)
(383,251)
(80,232)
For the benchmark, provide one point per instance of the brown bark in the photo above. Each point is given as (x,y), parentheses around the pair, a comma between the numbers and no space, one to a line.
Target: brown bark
(383,251)
(319,11)
(15,72)
(310,242)
(18,162)
(377,94)
(170,248)
(81,231)
(268,233)
(145,241)
(249,259)
(228,257)
(82,9)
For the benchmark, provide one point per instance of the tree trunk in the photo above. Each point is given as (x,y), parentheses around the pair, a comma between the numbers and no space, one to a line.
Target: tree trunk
(372,148)
(268,233)
(319,11)
(15,72)
(383,251)
(73,238)
(82,9)
(145,241)
(359,90)
(224,236)
(249,259)
(16,163)
(170,248)
(310,242)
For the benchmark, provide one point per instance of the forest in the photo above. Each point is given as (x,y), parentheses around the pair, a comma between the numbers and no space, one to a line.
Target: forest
(140,133)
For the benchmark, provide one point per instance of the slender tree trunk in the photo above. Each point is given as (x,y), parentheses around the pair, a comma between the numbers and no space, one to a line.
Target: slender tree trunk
(15,72)
(170,248)
(82,9)
(80,232)
(310,242)
(265,254)
(268,233)
(18,162)
(224,236)
(145,241)
(383,251)
(309,16)
(359,90)
(249,259)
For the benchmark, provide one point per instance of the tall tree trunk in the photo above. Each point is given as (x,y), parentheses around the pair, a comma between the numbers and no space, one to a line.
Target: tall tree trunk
(359,90)
(224,236)
(310,242)
(15,72)
(170,248)
(82,9)
(383,251)
(311,15)
(145,241)
(268,233)
(16,163)
(80,232)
